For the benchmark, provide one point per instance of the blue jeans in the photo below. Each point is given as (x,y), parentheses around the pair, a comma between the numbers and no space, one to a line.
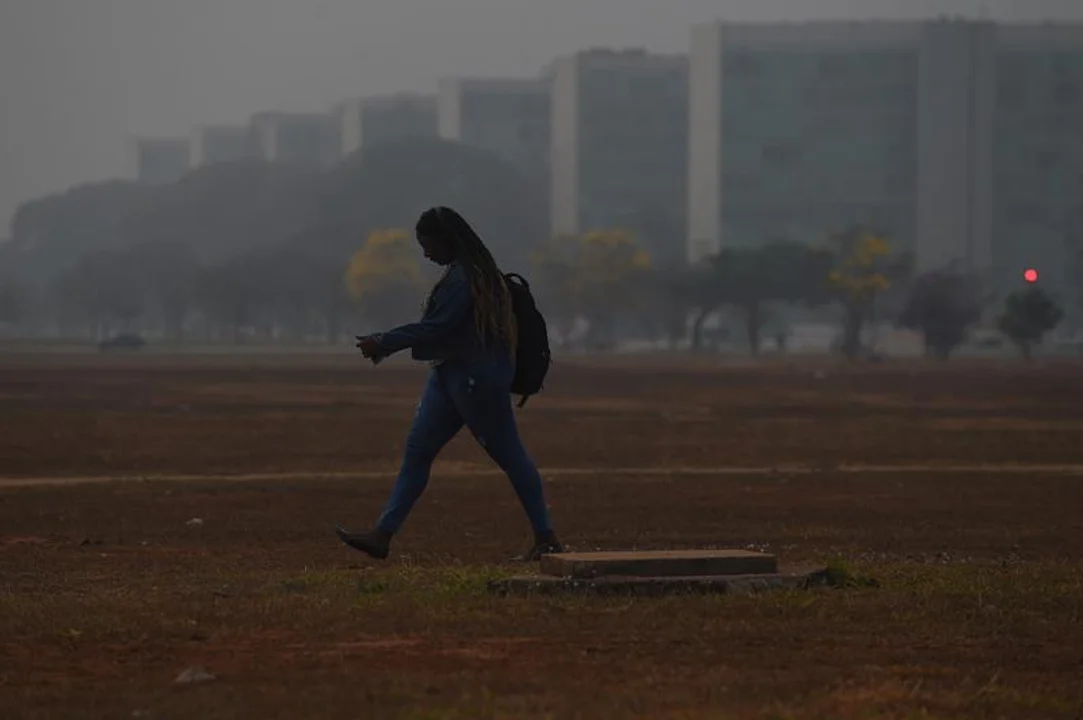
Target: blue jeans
(478,396)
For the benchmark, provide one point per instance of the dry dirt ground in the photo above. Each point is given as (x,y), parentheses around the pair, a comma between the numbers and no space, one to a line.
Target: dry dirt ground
(957,488)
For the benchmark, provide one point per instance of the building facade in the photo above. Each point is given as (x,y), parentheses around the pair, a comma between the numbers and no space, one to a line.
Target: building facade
(160,160)
(370,121)
(212,144)
(310,139)
(1036,166)
(508,117)
(799,131)
(619,150)
(952,137)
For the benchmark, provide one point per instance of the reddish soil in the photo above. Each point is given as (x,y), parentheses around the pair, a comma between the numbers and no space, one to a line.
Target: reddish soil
(107,593)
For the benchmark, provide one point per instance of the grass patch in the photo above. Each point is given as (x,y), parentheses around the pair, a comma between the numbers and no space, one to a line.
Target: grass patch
(841,574)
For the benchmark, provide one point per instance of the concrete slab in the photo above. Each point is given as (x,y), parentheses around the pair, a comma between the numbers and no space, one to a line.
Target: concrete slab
(796,579)
(664,563)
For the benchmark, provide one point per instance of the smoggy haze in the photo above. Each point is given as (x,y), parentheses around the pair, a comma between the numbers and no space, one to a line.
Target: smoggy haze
(79,75)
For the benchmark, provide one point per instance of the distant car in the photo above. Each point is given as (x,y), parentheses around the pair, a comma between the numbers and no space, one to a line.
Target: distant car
(125,341)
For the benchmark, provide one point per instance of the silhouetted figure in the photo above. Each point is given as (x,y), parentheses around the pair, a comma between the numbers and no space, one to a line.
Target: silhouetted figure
(468,334)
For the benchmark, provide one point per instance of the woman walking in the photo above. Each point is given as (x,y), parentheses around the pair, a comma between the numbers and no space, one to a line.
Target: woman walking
(468,334)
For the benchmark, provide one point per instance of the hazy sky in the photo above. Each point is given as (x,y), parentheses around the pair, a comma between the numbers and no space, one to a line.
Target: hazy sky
(80,76)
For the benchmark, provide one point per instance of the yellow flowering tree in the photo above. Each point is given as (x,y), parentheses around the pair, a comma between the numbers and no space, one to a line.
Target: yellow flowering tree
(384,277)
(865,268)
(594,275)
(556,281)
(612,270)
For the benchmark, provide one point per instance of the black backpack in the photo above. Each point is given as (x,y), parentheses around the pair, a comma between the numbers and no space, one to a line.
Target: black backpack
(532,356)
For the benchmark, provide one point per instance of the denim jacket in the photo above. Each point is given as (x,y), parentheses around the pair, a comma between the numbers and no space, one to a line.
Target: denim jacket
(446,330)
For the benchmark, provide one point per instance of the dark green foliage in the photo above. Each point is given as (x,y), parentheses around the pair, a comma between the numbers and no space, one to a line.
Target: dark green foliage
(48,235)
(249,243)
(226,209)
(389,185)
(942,305)
(1028,315)
(10,304)
(750,278)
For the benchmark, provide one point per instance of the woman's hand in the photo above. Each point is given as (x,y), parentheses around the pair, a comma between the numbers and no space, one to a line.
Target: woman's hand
(369,347)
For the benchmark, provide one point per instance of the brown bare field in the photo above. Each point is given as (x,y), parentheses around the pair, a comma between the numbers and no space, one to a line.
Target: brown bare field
(107,593)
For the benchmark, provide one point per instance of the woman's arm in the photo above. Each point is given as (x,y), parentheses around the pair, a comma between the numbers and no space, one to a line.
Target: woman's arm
(450,306)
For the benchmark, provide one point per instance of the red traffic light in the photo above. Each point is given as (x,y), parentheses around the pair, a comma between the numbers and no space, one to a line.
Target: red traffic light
(1030,275)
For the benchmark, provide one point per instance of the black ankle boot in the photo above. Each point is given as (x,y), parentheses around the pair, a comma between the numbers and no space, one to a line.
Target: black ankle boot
(544,544)
(375,543)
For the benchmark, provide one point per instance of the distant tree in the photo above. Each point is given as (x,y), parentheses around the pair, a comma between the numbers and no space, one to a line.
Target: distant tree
(555,283)
(390,184)
(284,298)
(169,273)
(11,309)
(784,272)
(750,279)
(320,272)
(225,209)
(304,290)
(332,299)
(1028,315)
(256,243)
(702,291)
(942,305)
(51,233)
(105,289)
(671,298)
(865,269)
(601,276)
(231,294)
(611,272)
(384,277)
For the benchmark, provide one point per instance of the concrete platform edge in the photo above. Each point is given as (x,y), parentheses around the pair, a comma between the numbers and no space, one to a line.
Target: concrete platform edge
(656,586)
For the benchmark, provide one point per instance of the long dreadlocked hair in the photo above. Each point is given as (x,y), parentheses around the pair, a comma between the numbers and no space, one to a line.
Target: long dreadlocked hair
(494,316)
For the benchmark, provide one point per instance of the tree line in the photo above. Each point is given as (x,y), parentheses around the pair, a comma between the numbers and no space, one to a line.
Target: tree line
(248,250)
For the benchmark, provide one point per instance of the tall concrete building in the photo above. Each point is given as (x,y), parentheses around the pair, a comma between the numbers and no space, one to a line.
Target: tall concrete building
(800,130)
(310,139)
(159,160)
(619,150)
(508,116)
(953,137)
(370,121)
(1036,159)
(212,144)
